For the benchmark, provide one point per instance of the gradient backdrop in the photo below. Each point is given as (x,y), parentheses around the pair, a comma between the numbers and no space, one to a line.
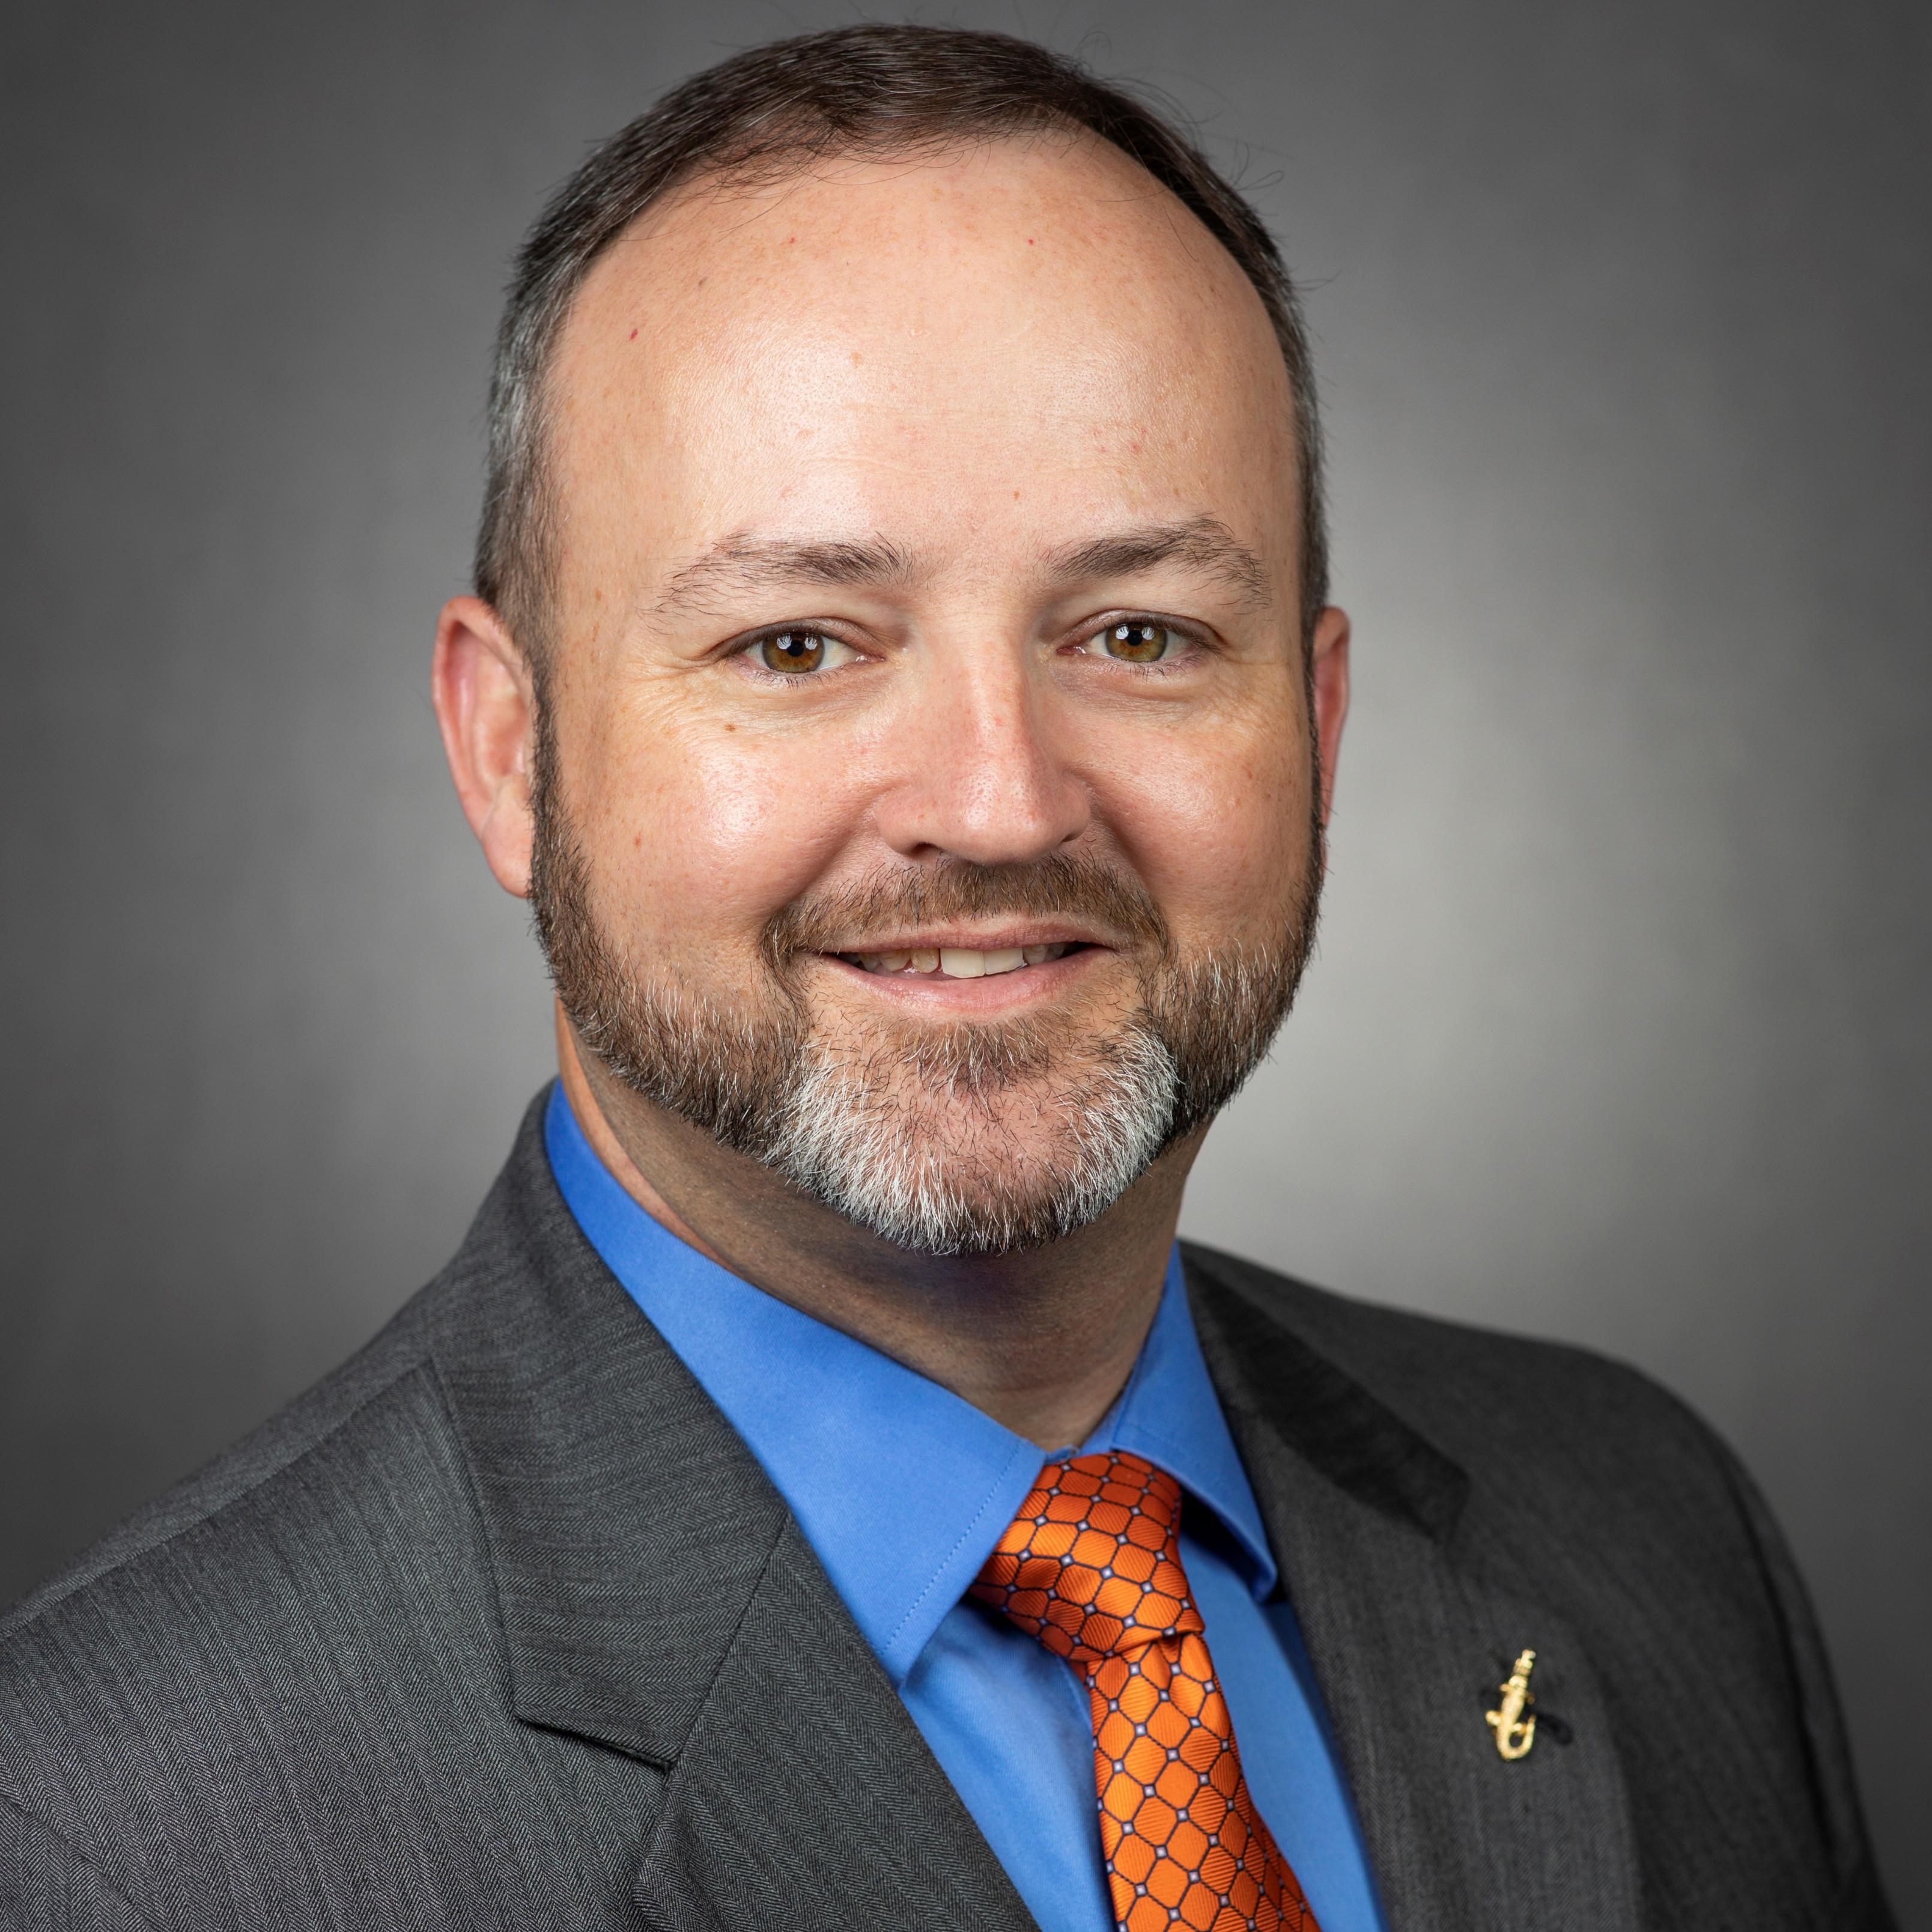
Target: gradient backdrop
(1619,1030)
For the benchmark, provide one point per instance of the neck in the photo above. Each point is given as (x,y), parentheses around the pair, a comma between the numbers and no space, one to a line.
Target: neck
(1042,1340)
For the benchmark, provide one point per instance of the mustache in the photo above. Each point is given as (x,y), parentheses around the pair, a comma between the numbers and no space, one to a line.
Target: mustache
(1060,886)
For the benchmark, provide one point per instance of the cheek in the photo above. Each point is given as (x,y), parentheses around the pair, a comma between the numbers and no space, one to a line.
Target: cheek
(1216,820)
(701,833)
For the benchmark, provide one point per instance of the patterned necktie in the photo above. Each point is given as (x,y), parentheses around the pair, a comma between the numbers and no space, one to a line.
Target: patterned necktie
(1091,1567)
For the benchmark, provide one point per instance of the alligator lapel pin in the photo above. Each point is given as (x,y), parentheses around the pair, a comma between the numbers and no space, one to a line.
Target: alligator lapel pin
(1515,1731)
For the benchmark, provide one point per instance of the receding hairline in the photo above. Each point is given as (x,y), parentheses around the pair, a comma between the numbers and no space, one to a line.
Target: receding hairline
(690,200)
(718,185)
(720,180)
(797,107)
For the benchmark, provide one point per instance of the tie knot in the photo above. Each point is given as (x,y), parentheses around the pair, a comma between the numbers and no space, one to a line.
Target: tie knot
(1091,1564)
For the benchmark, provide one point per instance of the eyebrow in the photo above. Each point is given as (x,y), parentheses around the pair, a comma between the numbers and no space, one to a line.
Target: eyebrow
(743,562)
(1204,544)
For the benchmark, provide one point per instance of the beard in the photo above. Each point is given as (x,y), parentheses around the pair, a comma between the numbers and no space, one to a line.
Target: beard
(966,1138)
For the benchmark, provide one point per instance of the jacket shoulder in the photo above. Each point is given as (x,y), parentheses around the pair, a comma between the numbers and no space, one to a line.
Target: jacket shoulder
(257,1458)
(485,1284)
(1581,1482)
(1479,1394)
(195,1682)
(284,1694)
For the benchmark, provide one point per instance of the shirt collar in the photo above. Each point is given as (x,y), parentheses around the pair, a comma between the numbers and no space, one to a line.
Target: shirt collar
(1169,1413)
(902,1487)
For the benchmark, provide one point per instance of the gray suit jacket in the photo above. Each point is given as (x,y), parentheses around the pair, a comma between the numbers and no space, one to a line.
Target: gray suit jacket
(501,1626)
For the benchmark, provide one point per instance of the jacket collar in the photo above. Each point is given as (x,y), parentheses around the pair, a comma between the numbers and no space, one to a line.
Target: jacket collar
(627,1525)
(1272,1381)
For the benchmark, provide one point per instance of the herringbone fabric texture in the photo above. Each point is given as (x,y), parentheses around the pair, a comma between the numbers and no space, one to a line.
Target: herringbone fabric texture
(1091,1568)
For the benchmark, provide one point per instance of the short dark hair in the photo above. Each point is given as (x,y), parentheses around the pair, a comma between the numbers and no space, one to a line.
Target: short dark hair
(764,113)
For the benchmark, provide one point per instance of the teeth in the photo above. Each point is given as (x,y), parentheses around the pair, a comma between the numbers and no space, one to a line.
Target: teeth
(958,962)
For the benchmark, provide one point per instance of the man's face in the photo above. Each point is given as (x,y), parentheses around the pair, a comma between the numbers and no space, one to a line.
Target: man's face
(928,794)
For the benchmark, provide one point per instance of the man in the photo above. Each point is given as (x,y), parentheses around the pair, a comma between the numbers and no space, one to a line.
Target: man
(819,1494)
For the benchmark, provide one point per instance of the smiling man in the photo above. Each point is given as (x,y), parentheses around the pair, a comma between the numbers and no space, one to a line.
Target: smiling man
(820,1493)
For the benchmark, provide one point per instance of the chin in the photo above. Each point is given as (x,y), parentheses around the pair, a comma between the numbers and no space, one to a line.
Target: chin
(982,1171)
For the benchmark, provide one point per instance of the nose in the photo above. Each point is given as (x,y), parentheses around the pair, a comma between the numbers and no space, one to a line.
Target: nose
(978,776)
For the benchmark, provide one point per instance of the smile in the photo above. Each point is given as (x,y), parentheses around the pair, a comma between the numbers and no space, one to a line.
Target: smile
(958,962)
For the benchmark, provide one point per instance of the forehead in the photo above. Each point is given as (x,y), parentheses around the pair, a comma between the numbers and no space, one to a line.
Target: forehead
(1019,333)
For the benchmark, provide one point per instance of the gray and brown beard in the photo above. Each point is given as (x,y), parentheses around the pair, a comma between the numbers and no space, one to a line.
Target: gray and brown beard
(852,1125)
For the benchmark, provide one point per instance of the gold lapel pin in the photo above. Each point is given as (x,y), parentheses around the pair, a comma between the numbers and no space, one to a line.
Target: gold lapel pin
(1515,1732)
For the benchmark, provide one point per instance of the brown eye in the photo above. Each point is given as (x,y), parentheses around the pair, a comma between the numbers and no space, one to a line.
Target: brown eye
(1139,640)
(792,651)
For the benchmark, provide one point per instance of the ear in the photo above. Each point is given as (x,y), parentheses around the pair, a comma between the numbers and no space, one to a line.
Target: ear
(485,703)
(1328,677)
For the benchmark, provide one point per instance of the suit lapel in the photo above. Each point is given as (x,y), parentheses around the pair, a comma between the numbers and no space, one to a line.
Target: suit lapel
(806,1797)
(1409,1623)
(657,1599)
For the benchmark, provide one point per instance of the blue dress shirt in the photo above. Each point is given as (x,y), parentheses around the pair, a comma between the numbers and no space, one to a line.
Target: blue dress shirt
(902,1488)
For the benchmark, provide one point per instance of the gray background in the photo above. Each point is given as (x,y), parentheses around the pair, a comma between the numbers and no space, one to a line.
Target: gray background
(1619,1029)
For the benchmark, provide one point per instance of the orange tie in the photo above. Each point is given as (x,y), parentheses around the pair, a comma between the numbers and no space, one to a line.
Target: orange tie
(1091,1567)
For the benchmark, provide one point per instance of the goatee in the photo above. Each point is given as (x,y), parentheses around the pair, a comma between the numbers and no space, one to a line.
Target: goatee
(912,1132)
